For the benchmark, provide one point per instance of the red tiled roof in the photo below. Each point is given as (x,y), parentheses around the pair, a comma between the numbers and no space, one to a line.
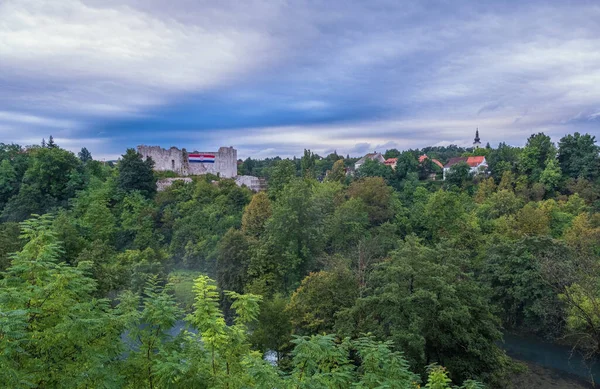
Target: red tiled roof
(471,161)
(391,161)
(454,161)
(424,157)
(437,163)
(475,161)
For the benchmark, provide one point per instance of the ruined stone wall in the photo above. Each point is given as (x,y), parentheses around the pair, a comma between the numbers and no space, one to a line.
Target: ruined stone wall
(176,160)
(167,182)
(254,183)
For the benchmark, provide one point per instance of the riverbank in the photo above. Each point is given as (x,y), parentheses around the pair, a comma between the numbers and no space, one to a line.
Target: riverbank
(539,377)
(556,360)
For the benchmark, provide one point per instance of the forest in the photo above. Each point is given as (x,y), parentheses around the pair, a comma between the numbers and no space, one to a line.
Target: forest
(378,278)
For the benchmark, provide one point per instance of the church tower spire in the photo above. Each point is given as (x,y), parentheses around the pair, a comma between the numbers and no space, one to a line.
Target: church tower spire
(477,141)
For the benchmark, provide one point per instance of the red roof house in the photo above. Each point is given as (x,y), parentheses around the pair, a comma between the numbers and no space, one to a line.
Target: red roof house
(424,157)
(391,162)
(475,163)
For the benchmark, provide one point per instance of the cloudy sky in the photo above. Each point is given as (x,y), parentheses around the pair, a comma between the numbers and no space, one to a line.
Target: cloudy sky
(273,77)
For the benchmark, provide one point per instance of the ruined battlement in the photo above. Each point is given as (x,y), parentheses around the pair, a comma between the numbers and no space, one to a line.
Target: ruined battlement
(222,163)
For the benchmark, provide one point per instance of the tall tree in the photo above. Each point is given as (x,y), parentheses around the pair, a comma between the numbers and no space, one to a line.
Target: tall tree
(308,164)
(53,176)
(579,156)
(136,173)
(283,172)
(503,159)
(514,271)
(429,304)
(52,330)
(8,181)
(232,261)
(256,215)
(379,198)
(537,152)
(84,155)
(314,304)
(51,144)
(338,172)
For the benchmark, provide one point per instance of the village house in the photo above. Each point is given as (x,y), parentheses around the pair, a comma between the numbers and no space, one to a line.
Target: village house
(424,157)
(391,162)
(476,164)
(372,156)
(433,174)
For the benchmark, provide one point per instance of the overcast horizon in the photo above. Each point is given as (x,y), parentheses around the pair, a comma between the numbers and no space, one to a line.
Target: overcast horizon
(274,77)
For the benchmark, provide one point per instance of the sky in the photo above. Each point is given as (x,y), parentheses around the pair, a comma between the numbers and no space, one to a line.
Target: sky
(274,77)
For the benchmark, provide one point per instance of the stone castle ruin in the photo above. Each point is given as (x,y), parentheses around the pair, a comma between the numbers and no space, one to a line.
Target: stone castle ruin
(222,163)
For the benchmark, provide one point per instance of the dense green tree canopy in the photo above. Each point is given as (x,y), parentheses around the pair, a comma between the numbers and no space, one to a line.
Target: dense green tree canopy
(113,286)
(579,156)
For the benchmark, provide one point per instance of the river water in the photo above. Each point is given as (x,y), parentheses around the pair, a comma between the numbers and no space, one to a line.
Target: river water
(553,356)
(560,359)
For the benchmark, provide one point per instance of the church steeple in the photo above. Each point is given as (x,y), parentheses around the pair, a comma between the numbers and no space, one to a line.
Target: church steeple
(477,141)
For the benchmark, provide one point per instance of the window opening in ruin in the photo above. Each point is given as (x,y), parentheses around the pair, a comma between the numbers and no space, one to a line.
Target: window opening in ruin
(173,164)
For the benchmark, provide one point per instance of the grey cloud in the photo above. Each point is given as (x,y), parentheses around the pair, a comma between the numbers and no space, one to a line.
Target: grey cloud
(420,73)
(360,149)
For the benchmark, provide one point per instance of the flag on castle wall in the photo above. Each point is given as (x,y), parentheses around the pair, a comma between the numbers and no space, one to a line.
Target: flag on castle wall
(201,158)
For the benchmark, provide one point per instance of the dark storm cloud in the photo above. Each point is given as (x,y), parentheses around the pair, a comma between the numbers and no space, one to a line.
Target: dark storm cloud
(276,77)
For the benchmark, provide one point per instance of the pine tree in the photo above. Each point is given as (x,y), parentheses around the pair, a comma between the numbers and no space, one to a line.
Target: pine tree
(136,174)
(51,144)
(84,155)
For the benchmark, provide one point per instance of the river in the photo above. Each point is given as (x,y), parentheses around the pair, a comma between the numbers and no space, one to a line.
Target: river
(550,365)
(550,362)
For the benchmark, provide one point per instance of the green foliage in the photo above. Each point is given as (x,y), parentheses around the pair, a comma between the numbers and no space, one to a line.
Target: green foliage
(429,268)
(413,300)
(459,175)
(203,214)
(438,378)
(321,295)
(283,172)
(372,168)
(84,155)
(273,330)
(503,159)
(8,181)
(53,332)
(348,224)
(9,243)
(551,176)
(232,260)
(136,174)
(52,176)
(379,199)
(294,234)
(308,164)
(533,159)
(338,172)
(182,283)
(579,156)
(256,215)
(148,333)
(514,270)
